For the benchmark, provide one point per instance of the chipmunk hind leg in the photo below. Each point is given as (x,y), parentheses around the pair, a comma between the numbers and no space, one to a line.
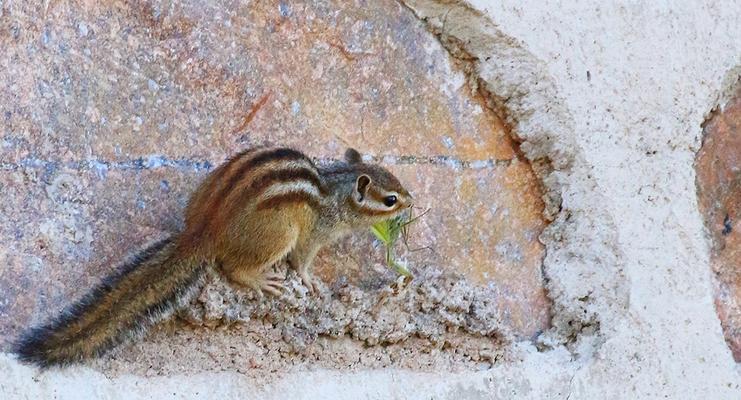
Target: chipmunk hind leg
(261,280)
(301,259)
(261,244)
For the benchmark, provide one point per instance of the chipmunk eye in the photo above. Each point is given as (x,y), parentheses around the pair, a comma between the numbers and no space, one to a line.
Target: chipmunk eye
(389,201)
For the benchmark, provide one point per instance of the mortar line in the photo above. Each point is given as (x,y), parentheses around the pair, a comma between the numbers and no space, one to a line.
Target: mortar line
(154,161)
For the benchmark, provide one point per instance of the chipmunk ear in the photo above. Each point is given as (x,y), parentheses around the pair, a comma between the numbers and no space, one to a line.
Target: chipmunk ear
(352,156)
(361,187)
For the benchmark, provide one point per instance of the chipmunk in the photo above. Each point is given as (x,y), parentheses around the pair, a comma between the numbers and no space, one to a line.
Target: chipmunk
(263,205)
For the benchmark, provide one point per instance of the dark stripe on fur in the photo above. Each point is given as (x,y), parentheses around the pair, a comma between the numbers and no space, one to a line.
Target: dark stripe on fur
(52,343)
(210,194)
(290,197)
(147,270)
(31,346)
(254,162)
(145,318)
(218,175)
(231,161)
(155,313)
(282,176)
(367,211)
(239,174)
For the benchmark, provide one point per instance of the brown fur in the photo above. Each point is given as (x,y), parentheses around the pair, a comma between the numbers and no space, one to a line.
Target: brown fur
(261,206)
(142,293)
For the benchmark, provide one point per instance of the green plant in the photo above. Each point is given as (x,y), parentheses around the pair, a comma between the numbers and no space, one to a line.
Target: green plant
(389,232)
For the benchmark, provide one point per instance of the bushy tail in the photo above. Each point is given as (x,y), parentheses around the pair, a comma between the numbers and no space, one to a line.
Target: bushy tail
(144,291)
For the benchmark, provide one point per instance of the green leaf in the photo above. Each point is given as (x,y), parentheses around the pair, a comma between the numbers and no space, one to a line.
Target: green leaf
(388,232)
(381,231)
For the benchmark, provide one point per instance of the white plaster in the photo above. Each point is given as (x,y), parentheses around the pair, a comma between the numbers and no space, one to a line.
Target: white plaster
(527,378)
(655,71)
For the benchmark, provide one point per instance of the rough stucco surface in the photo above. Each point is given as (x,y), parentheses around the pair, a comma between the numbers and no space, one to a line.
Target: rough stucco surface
(609,101)
(632,85)
(719,193)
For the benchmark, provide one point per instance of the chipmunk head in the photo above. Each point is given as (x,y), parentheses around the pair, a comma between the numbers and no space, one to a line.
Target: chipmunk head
(375,194)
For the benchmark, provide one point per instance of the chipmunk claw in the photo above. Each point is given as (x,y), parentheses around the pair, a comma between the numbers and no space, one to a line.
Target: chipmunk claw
(309,282)
(271,283)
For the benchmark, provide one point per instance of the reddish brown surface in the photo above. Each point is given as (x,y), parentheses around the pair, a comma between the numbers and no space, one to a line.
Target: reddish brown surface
(719,184)
(111,113)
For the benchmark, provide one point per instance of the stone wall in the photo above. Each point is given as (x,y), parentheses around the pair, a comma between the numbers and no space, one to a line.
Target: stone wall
(554,145)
